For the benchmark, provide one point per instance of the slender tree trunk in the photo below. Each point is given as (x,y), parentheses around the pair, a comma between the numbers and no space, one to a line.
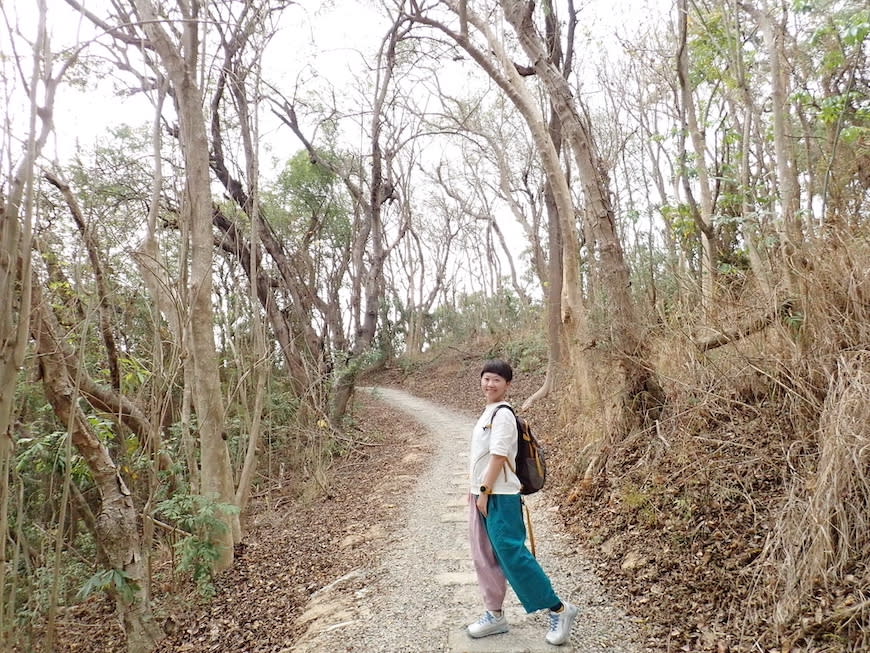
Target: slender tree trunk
(261,364)
(497,63)
(413,262)
(233,242)
(181,67)
(14,264)
(288,325)
(791,233)
(555,333)
(554,233)
(689,117)
(746,107)
(554,281)
(505,183)
(165,298)
(16,211)
(760,270)
(249,467)
(99,277)
(379,191)
(613,268)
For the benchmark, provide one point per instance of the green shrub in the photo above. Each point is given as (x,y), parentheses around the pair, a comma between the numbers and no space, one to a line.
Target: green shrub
(199,516)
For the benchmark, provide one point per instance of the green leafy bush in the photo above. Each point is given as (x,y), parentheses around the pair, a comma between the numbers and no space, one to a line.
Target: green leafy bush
(199,516)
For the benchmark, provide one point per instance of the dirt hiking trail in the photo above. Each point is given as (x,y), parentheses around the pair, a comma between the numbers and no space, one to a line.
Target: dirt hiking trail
(423,592)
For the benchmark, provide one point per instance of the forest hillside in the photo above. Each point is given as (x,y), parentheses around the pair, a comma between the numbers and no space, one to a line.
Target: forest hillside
(219,220)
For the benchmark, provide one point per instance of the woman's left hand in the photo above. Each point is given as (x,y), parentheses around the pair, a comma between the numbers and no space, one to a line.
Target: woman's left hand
(482,502)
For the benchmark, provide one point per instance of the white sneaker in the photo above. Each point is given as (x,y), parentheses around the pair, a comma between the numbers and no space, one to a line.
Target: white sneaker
(488,624)
(560,624)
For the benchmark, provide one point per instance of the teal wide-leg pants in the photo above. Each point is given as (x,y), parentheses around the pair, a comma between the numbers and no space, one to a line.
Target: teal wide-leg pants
(507,535)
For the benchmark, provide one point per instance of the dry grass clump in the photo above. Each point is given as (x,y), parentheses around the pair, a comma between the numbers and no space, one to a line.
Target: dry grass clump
(814,568)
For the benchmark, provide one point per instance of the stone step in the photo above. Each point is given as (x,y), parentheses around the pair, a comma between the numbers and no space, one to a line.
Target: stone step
(457,578)
(522,638)
(461,516)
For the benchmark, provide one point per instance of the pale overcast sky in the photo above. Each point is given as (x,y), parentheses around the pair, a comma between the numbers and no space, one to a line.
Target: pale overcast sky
(327,41)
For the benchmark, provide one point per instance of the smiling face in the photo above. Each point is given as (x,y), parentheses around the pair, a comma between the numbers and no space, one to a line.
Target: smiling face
(494,387)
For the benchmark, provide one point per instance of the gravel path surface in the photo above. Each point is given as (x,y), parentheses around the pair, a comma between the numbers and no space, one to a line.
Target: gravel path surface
(424,592)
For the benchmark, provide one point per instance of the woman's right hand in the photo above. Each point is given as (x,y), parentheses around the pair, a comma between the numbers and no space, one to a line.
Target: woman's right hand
(482,503)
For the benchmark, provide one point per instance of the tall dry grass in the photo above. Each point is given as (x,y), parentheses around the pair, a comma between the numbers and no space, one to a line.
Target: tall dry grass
(821,542)
(812,582)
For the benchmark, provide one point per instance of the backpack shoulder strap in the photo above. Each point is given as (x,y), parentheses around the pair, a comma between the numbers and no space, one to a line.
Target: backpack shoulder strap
(507,462)
(499,407)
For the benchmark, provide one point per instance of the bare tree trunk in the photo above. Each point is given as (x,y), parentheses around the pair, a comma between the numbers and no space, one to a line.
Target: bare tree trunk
(760,269)
(554,233)
(117,521)
(553,292)
(505,182)
(233,242)
(16,234)
(507,77)
(164,290)
(413,262)
(380,189)
(180,62)
(261,364)
(656,152)
(15,237)
(249,467)
(501,69)
(512,267)
(689,116)
(296,320)
(15,297)
(613,269)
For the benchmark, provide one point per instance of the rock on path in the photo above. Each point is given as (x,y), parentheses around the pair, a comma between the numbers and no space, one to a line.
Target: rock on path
(424,592)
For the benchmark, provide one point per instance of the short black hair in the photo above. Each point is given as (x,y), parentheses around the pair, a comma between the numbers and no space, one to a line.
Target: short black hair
(498,366)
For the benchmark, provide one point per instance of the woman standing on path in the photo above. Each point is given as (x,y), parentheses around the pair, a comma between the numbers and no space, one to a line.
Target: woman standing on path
(497,531)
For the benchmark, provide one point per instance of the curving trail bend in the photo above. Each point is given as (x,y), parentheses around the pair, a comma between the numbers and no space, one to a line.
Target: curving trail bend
(423,593)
